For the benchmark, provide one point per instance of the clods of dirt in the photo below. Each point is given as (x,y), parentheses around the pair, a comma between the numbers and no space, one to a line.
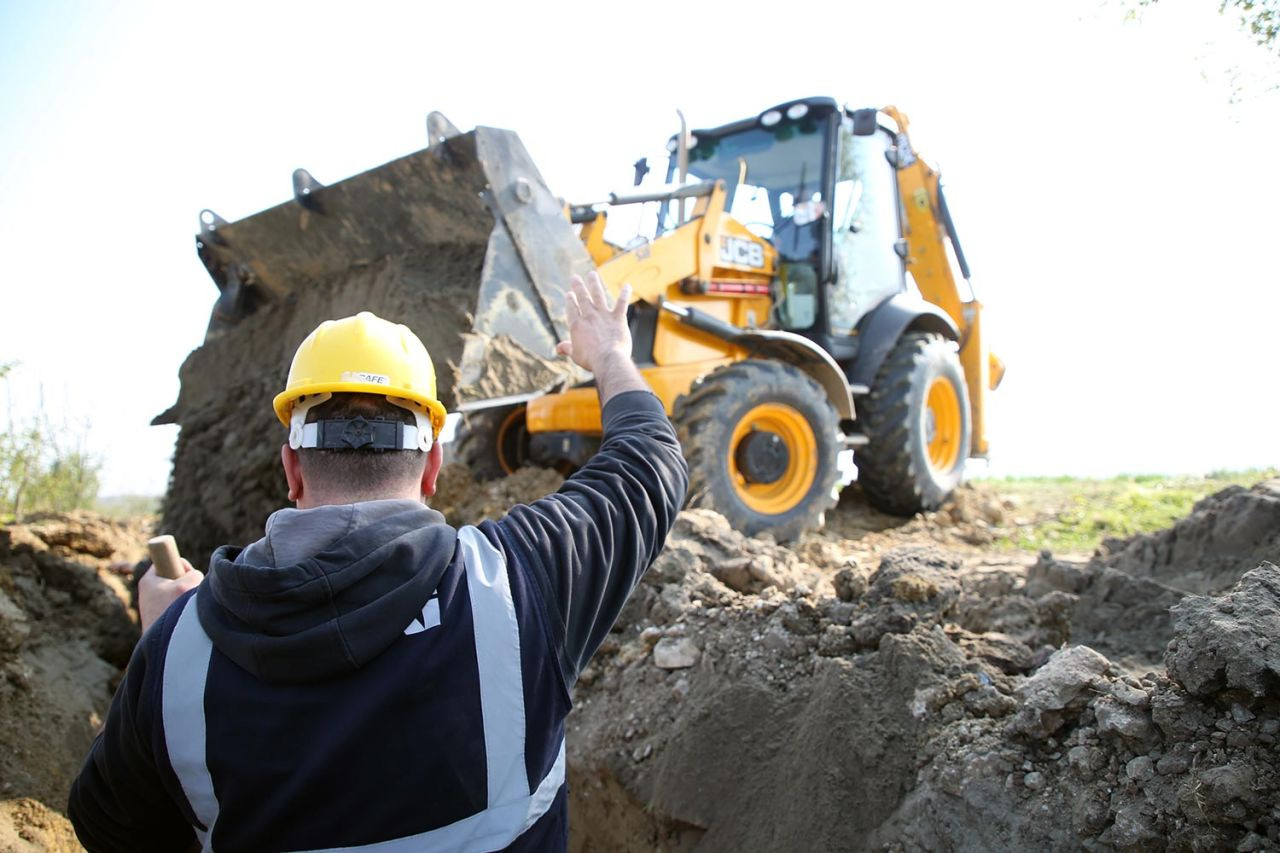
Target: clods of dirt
(942,696)
(29,826)
(66,632)
(464,500)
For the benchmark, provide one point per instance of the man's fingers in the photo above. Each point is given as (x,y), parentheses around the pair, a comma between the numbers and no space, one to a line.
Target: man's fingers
(624,299)
(585,294)
(565,348)
(578,291)
(596,289)
(572,310)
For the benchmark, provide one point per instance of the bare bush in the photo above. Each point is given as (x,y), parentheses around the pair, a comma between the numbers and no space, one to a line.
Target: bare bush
(44,465)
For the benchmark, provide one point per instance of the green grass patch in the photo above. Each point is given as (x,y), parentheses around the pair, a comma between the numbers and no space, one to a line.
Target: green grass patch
(1066,514)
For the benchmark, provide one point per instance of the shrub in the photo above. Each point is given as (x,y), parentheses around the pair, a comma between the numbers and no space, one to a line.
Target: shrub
(44,466)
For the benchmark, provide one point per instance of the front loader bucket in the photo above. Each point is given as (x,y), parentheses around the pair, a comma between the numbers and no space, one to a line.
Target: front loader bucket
(471,197)
(461,242)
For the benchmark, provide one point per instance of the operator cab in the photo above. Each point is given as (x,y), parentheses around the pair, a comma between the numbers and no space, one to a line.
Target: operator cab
(816,181)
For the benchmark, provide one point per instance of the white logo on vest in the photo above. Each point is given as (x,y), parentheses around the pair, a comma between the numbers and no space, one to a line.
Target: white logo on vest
(430,618)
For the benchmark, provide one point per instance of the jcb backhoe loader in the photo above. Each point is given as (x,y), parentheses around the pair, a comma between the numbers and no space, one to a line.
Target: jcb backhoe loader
(800,297)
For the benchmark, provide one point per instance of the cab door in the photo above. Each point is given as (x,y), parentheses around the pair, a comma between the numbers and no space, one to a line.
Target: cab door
(865,226)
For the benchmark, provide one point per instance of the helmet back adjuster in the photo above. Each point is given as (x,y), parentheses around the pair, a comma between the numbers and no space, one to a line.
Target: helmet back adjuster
(358,433)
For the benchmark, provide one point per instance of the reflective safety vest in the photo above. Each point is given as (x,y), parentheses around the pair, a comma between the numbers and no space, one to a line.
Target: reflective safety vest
(513,806)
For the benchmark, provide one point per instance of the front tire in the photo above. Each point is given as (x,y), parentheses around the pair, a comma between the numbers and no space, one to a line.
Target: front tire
(493,442)
(918,421)
(761,439)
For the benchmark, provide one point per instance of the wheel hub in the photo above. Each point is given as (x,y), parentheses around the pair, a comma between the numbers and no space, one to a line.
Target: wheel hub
(762,456)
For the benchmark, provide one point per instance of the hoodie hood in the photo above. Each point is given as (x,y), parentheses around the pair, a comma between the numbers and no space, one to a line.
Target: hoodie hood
(326,590)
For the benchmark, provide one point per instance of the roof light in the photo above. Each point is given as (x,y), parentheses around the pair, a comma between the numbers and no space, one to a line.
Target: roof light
(770,118)
(797,111)
(672,145)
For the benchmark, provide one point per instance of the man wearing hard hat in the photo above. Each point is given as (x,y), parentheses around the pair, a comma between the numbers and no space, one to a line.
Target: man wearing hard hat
(366,677)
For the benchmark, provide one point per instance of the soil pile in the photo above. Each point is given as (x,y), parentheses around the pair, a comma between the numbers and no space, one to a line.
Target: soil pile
(1226,535)
(464,500)
(1125,591)
(935,692)
(65,634)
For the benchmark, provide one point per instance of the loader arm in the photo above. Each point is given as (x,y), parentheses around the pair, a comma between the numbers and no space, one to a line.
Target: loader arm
(927,227)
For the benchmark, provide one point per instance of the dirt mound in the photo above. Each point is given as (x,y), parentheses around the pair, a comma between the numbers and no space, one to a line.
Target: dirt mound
(28,826)
(730,713)
(1124,594)
(714,711)
(1226,535)
(1186,759)
(463,500)
(65,634)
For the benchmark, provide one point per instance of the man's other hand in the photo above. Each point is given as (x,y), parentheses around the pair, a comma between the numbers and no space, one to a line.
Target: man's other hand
(155,593)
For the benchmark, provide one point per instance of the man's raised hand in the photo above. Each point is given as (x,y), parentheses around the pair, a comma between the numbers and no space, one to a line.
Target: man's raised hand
(598,332)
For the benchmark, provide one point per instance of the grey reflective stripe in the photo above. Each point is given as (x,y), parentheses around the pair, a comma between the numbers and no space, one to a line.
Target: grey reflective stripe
(186,665)
(492,829)
(512,809)
(498,660)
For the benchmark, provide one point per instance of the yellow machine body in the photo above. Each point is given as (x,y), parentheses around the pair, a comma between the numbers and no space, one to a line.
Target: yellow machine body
(691,266)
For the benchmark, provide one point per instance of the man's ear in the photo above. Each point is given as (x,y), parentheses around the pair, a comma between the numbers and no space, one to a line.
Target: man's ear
(435,458)
(292,471)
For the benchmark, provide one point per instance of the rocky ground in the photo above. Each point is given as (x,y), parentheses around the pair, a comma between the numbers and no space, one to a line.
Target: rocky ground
(882,685)
(900,688)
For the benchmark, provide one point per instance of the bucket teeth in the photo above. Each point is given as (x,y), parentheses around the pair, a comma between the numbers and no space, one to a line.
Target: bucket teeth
(210,223)
(439,128)
(304,189)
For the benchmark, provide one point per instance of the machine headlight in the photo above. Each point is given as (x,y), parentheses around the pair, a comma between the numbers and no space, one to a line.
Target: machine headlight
(797,111)
(770,118)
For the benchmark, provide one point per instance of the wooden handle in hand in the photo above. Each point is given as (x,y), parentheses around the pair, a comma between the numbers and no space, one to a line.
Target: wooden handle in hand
(164,554)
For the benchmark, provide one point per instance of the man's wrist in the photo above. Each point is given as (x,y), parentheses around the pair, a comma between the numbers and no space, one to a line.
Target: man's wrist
(615,374)
(612,359)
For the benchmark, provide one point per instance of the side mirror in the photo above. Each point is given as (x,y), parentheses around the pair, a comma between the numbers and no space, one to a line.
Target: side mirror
(642,169)
(864,122)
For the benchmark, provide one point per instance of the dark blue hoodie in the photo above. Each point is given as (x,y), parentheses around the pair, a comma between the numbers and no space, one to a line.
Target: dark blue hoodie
(342,674)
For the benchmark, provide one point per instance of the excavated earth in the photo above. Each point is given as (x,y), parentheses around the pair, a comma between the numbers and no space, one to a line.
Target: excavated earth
(881,685)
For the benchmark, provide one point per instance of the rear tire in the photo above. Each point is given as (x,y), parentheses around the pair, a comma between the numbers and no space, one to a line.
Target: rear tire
(761,440)
(493,442)
(917,420)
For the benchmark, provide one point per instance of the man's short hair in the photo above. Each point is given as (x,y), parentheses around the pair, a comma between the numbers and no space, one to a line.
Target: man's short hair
(360,474)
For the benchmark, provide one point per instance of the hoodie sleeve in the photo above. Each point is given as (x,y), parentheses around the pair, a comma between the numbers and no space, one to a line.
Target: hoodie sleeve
(588,544)
(118,802)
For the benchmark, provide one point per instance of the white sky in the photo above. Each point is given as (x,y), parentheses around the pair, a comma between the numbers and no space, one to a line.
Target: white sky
(1114,182)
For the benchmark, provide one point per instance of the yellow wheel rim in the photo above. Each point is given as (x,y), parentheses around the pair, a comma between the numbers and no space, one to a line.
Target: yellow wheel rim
(943,425)
(790,489)
(514,420)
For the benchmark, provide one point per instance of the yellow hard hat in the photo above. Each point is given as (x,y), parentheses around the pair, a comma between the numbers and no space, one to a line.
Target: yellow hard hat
(364,354)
